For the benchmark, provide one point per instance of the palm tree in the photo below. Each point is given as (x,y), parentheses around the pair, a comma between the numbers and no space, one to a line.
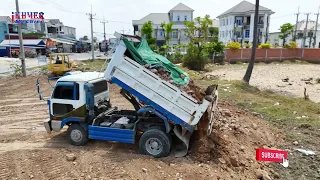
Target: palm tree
(247,76)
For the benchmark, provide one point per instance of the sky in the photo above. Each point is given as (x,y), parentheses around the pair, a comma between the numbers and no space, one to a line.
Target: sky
(120,13)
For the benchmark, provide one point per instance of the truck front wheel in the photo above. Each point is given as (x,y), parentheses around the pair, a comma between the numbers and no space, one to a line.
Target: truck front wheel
(155,142)
(77,135)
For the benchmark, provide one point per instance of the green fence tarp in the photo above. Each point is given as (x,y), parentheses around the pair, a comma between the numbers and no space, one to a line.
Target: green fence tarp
(144,55)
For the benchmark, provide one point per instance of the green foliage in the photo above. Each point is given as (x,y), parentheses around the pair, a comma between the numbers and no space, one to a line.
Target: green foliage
(248,45)
(17,69)
(214,47)
(265,46)
(234,46)
(214,33)
(147,31)
(178,57)
(167,29)
(198,34)
(194,59)
(292,45)
(286,30)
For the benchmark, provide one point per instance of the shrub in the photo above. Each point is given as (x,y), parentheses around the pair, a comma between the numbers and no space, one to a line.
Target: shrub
(247,45)
(30,54)
(177,57)
(265,46)
(234,46)
(292,45)
(286,46)
(194,59)
(17,69)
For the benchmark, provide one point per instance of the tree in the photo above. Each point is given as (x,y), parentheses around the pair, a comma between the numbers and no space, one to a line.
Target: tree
(147,31)
(85,38)
(197,31)
(214,33)
(247,76)
(167,29)
(286,29)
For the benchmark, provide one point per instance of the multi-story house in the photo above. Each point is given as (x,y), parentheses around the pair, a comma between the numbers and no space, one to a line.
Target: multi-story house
(236,24)
(302,33)
(178,15)
(54,28)
(7,27)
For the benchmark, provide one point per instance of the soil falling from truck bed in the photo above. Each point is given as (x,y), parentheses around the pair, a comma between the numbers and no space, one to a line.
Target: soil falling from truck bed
(235,136)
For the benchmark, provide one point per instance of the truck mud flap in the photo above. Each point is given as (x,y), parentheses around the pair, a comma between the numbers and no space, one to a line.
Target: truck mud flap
(182,150)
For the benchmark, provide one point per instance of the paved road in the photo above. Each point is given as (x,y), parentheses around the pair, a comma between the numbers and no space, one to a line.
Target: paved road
(33,62)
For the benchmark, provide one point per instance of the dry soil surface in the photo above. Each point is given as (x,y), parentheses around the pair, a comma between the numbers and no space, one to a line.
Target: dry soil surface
(28,152)
(273,77)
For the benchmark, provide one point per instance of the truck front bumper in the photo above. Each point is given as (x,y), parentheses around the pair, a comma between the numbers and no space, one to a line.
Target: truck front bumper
(52,125)
(47,125)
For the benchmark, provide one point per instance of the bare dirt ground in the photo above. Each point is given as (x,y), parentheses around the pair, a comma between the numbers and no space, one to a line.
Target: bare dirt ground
(28,152)
(272,77)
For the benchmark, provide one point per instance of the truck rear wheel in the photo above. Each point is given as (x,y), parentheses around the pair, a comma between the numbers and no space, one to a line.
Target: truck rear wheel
(155,142)
(77,135)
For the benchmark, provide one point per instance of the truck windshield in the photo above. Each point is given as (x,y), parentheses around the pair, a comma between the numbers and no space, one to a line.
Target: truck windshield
(100,87)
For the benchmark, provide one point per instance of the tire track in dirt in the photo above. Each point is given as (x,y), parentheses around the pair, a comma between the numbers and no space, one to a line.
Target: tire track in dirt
(7,168)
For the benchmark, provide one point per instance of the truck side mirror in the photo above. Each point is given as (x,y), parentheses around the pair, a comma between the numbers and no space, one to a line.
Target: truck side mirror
(38,89)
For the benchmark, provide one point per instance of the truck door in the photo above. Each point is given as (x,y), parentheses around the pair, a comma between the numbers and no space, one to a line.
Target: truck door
(65,98)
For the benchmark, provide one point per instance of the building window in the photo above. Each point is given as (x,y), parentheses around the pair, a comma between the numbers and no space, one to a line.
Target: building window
(227,21)
(222,33)
(231,21)
(247,34)
(238,21)
(174,34)
(161,34)
(185,18)
(178,18)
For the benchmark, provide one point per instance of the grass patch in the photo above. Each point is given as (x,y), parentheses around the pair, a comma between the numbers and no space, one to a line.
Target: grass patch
(89,65)
(285,112)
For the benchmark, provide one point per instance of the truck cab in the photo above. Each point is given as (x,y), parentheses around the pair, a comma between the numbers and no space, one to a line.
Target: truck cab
(77,98)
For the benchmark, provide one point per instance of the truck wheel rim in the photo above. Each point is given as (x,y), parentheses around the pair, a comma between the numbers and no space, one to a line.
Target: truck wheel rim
(76,135)
(154,146)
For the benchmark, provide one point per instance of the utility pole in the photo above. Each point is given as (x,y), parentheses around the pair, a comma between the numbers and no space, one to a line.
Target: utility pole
(316,29)
(296,26)
(104,28)
(306,31)
(92,43)
(22,56)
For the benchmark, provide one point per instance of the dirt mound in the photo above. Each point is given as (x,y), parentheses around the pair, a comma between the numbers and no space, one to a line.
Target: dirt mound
(236,134)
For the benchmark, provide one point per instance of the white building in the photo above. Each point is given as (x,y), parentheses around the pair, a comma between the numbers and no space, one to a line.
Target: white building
(301,26)
(178,15)
(236,24)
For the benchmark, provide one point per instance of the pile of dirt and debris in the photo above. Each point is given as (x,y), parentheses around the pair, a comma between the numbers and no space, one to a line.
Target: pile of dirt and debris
(191,89)
(233,141)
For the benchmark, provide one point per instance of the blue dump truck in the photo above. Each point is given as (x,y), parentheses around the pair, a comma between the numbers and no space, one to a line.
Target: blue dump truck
(161,110)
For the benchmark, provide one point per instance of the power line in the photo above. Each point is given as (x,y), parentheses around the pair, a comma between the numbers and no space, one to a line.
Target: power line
(281,16)
(112,21)
(62,8)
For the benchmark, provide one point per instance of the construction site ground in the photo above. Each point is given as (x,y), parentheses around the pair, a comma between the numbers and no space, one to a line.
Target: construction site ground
(247,119)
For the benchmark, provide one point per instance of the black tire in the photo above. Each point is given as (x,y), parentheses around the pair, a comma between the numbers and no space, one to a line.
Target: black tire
(77,135)
(160,138)
(163,129)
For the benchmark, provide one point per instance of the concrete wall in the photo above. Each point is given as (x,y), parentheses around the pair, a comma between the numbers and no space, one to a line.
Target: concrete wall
(276,54)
